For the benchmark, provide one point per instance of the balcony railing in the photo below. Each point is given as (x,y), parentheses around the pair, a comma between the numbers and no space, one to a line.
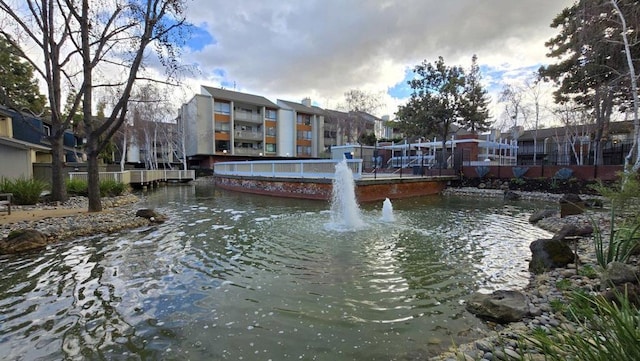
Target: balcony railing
(249,117)
(324,168)
(246,151)
(246,134)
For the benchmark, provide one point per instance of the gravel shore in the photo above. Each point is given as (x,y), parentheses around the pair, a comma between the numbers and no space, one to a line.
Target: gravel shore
(502,343)
(118,213)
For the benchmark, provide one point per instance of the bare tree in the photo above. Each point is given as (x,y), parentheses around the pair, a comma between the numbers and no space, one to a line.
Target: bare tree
(577,129)
(357,103)
(624,33)
(97,35)
(40,25)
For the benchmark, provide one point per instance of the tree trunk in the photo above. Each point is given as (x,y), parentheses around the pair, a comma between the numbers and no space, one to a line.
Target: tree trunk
(94,182)
(58,179)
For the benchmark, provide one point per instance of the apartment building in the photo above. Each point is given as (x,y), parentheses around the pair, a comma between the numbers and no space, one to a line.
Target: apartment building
(24,144)
(225,122)
(301,129)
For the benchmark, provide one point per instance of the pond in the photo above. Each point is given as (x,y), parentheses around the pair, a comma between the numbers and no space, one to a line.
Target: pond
(236,276)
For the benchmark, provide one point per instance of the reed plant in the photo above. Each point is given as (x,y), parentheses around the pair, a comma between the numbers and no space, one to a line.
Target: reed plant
(77,187)
(112,188)
(622,239)
(607,331)
(25,191)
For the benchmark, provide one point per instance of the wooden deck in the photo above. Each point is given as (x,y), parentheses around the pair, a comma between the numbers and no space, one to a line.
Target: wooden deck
(142,177)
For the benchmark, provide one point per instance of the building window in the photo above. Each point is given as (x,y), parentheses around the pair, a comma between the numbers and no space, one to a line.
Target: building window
(271,114)
(304,134)
(223,127)
(222,108)
(222,145)
(271,148)
(271,131)
(304,119)
(46,130)
(302,150)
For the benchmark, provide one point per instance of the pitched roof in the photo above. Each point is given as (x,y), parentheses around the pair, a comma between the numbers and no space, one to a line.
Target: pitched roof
(301,108)
(614,128)
(224,94)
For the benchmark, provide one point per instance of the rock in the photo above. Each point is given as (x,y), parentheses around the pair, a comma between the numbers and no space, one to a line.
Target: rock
(547,254)
(571,204)
(151,215)
(545,213)
(482,186)
(572,230)
(593,203)
(629,290)
(23,240)
(617,273)
(511,196)
(500,306)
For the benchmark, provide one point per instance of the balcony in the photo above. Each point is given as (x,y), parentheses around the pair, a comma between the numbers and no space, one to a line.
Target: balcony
(247,135)
(248,117)
(247,151)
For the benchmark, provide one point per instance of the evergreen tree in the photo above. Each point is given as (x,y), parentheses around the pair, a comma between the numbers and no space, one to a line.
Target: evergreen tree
(18,87)
(592,60)
(436,102)
(475,115)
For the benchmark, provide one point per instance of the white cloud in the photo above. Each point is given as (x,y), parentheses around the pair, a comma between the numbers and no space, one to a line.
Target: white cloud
(322,48)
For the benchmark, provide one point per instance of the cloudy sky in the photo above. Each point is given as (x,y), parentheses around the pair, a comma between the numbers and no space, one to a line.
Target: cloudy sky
(291,49)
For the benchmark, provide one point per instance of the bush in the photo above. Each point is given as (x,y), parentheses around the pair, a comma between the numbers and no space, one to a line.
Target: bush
(77,187)
(25,191)
(111,188)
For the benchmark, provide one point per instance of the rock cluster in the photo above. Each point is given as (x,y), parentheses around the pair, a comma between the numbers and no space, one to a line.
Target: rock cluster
(540,301)
(119,213)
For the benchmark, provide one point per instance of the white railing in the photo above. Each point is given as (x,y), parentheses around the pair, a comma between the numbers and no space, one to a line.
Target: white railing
(139,176)
(321,168)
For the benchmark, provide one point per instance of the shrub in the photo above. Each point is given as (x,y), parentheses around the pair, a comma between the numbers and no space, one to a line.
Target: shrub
(563,174)
(25,191)
(519,172)
(482,170)
(112,188)
(77,187)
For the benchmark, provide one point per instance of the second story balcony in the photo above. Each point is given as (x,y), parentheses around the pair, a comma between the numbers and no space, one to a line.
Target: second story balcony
(247,135)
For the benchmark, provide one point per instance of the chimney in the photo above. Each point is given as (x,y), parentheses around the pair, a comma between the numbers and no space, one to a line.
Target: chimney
(306,102)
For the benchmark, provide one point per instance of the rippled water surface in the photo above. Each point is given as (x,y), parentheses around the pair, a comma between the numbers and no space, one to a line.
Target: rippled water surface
(241,277)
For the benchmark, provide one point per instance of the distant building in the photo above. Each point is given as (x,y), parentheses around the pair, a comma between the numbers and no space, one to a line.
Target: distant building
(24,143)
(300,131)
(225,122)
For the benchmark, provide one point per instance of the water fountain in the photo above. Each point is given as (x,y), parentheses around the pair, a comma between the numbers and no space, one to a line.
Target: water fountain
(345,212)
(387,211)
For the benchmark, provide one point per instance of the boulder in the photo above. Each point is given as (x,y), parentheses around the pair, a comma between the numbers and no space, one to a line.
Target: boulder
(511,196)
(23,240)
(630,291)
(571,204)
(593,203)
(541,214)
(572,230)
(617,273)
(151,215)
(500,306)
(547,254)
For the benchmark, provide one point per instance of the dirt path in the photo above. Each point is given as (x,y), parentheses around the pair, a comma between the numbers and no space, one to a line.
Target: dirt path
(37,214)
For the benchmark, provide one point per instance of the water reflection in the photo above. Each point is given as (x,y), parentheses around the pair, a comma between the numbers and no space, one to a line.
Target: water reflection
(234,276)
